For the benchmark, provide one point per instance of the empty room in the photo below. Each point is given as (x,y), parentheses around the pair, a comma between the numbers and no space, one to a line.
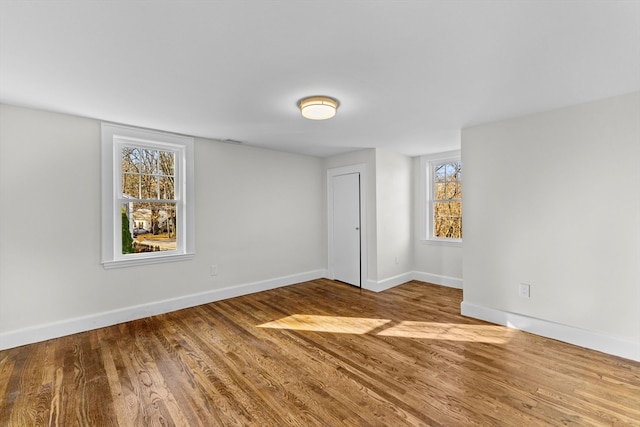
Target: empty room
(319,213)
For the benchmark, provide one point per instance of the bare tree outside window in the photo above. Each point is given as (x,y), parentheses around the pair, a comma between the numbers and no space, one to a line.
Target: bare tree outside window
(447,200)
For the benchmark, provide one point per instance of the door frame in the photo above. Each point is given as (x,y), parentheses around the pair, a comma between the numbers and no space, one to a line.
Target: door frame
(360,168)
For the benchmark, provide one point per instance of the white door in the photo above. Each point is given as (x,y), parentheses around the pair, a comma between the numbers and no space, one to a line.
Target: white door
(346,228)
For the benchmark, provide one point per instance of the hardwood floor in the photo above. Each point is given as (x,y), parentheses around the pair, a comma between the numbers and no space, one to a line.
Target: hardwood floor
(318,353)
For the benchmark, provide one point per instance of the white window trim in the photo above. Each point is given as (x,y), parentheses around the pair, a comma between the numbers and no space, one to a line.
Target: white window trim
(113,137)
(427,163)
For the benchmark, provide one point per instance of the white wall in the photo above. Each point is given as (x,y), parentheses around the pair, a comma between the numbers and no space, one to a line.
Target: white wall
(393,213)
(440,264)
(553,200)
(259,217)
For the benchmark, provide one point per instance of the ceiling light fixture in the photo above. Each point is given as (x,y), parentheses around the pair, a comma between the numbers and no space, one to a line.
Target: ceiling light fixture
(318,107)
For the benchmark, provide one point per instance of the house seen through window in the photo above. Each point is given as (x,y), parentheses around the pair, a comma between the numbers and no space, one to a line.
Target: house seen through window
(149,214)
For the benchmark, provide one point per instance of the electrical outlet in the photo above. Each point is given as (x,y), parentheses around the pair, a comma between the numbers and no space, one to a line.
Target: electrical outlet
(214,270)
(524,290)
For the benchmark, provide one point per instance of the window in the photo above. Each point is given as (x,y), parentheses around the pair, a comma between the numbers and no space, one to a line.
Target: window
(147,197)
(442,195)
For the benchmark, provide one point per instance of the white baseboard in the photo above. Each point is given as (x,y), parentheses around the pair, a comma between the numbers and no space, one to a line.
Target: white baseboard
(383,285)
(85,323)
(437,279)
(569,334)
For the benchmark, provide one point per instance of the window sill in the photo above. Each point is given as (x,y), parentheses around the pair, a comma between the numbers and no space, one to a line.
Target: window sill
(146,261)
(438,242)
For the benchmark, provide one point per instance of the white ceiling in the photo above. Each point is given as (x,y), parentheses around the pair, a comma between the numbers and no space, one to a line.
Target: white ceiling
(408,74)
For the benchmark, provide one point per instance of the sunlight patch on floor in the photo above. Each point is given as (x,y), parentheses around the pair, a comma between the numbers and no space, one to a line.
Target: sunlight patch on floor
(384,327)
(448,331)
(335,324)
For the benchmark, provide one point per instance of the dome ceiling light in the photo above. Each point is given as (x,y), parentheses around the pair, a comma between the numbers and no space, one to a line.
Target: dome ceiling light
(318,107)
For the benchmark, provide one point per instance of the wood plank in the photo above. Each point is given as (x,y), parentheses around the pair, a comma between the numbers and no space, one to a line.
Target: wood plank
(318,353)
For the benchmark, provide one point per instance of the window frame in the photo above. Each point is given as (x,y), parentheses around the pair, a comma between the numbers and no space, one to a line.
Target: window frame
(114,137)
(427,191)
